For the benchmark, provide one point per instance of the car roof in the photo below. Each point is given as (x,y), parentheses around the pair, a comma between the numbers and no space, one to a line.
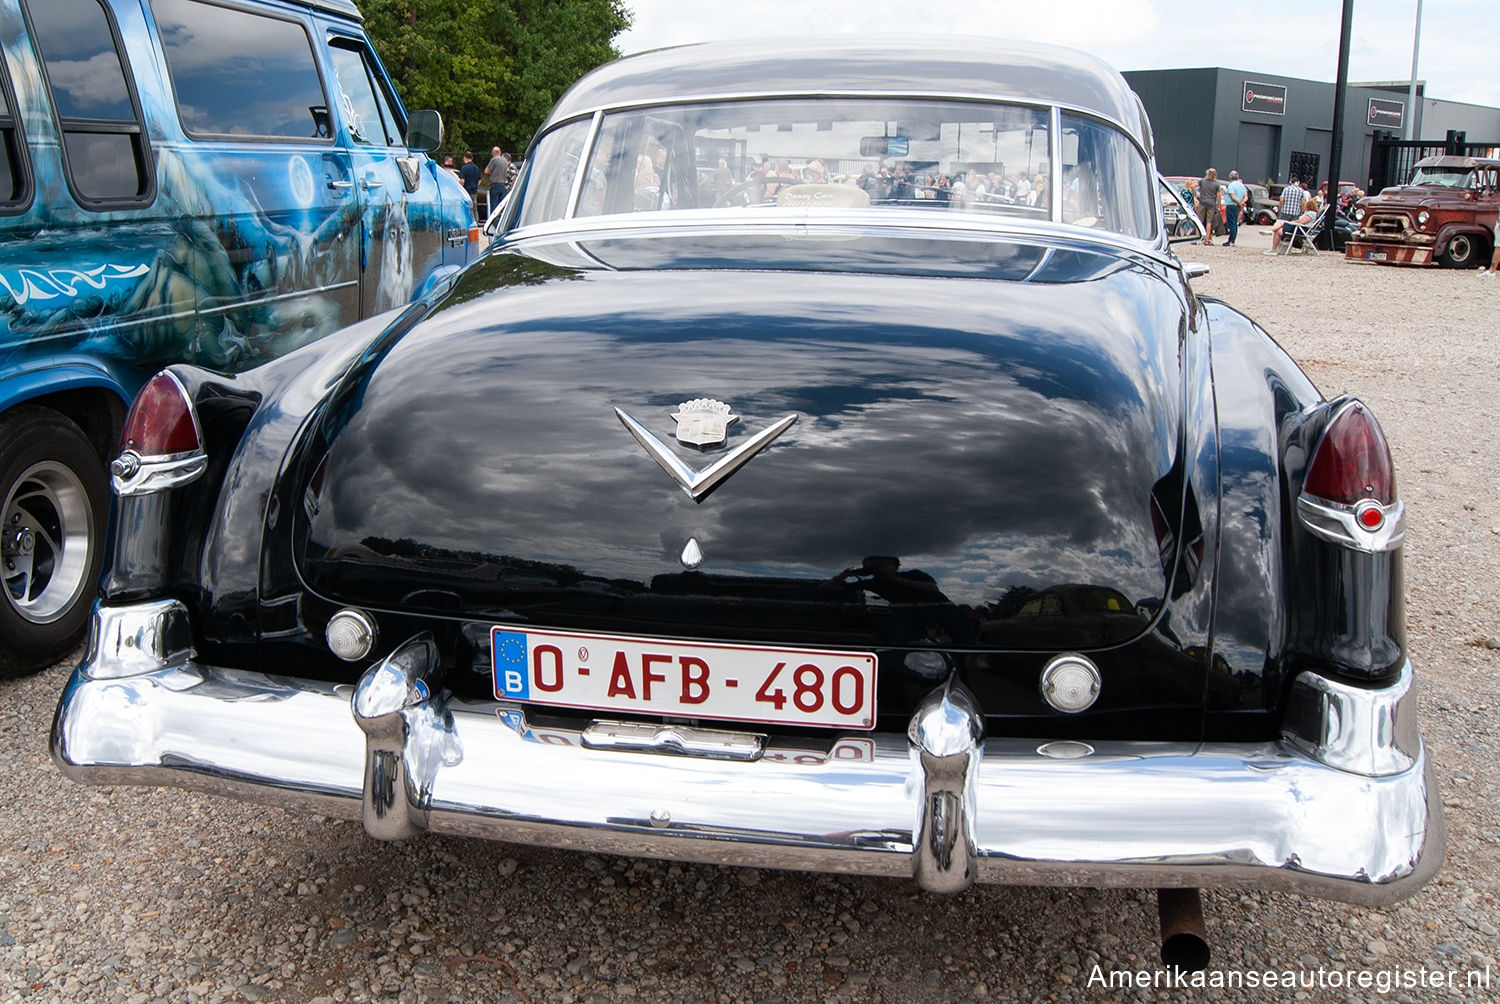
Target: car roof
(1458,163)
(344,8)
(862,64)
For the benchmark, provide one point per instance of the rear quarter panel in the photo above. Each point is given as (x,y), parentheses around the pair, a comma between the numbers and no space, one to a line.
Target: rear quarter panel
(1260,394)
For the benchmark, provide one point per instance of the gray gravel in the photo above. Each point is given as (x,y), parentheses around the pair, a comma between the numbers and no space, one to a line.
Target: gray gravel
(137,895)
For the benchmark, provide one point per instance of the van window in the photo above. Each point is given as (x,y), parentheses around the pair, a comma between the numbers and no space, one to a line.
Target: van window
(105,153)
(369,116)
(15,176)
(241,75)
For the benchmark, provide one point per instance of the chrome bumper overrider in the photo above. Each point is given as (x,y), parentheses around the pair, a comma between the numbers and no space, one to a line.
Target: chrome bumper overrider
(1343,807)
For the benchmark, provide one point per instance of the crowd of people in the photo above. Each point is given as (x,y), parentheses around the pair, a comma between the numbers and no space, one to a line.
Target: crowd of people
(488,185)
(1230,201)
(880,181)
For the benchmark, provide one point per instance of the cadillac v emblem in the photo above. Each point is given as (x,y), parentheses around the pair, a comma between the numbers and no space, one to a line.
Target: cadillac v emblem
(703,422)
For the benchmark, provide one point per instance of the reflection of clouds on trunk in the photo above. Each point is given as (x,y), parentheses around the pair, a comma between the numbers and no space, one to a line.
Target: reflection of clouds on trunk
(993,434)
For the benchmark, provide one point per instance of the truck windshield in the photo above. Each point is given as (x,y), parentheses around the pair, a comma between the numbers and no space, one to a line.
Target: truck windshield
(1445,177)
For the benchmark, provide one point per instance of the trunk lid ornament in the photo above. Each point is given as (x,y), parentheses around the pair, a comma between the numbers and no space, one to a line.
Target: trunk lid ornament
(698,483)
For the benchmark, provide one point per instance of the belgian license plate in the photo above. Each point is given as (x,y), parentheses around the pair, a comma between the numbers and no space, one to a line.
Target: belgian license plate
(1376,256)
(744,683)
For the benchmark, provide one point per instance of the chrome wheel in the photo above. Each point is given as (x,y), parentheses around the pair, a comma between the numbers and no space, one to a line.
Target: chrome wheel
(45,542)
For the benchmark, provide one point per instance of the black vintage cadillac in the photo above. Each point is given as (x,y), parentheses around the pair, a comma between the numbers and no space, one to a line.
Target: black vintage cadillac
(829,467)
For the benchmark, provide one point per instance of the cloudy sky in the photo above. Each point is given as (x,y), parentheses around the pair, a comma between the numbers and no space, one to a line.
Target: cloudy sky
(1295,38)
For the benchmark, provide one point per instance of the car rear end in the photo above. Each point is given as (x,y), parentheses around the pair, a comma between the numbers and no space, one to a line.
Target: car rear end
(909,540)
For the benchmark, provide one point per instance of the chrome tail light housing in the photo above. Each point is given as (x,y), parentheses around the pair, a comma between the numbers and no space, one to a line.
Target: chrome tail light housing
(161,446)
(1349,495)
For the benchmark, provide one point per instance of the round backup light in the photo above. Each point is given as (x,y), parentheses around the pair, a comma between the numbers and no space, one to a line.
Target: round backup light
(350,634)
(1370,515)
(1070,683)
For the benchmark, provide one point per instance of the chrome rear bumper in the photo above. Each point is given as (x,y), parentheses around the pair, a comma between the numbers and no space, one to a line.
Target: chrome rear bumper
(1344,807)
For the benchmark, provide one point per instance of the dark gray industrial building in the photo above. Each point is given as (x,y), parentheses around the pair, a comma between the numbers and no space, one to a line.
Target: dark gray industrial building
(1256,123)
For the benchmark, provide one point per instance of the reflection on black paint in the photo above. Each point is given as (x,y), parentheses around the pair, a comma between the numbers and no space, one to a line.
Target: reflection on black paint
(999,435)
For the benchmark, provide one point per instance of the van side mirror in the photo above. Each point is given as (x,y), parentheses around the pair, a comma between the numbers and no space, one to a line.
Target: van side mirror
(424,131)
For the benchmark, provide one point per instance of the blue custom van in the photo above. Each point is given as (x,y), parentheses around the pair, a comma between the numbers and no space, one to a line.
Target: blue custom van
(206,181)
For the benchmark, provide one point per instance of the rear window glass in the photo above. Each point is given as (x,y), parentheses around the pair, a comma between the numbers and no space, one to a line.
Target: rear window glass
(846,154)
(236,73)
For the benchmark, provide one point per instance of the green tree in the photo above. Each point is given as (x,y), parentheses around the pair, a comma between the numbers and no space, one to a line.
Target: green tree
(492,68)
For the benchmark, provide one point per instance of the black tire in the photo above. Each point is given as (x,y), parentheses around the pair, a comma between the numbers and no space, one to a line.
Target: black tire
(54,504)
(1463,251)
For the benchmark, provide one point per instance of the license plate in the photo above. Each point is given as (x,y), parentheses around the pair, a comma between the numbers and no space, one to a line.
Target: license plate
(744,683)
(1376,256)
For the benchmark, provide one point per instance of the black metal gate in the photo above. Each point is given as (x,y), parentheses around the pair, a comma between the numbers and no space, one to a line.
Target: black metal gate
(1392,160)
(1305,167)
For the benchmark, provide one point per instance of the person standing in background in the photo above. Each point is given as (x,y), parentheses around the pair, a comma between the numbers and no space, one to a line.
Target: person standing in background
(469,175)
(1292,197)
(493,179)
(1236,198)
(1210,198)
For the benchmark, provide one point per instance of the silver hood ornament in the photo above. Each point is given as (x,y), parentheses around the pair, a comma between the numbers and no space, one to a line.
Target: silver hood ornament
(703,422)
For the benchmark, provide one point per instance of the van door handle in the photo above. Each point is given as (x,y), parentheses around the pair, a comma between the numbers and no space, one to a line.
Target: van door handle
(370,183)
(342,186)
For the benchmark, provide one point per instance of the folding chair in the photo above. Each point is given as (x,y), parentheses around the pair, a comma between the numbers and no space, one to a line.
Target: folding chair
(1300,237)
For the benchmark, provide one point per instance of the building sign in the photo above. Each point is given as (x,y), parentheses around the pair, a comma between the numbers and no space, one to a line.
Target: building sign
(1269,99)
(1386,113)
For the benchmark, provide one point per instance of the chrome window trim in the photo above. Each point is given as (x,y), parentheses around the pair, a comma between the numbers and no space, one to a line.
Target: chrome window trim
(1054,111)
(718,222)
(585,158)
(1054,172)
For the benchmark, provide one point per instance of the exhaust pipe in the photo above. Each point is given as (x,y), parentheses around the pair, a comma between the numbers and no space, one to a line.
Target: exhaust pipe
(1184,942)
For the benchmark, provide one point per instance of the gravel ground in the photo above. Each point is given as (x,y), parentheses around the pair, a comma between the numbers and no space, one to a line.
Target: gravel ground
(136,895)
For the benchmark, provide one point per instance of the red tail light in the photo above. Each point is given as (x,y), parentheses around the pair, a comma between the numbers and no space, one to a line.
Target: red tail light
(1353,462)
(161,420)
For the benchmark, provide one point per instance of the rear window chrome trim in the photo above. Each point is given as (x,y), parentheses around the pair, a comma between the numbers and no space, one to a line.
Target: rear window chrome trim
(854,222)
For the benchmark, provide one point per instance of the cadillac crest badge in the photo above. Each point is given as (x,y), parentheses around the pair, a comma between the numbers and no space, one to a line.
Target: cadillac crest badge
(703,422)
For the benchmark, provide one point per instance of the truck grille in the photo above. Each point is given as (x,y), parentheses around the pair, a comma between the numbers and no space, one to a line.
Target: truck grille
(1380,225)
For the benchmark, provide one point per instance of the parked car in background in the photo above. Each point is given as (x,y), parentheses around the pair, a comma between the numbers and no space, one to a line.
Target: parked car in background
(1445,214)
(1262,208)
(763,520)
(180,181)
